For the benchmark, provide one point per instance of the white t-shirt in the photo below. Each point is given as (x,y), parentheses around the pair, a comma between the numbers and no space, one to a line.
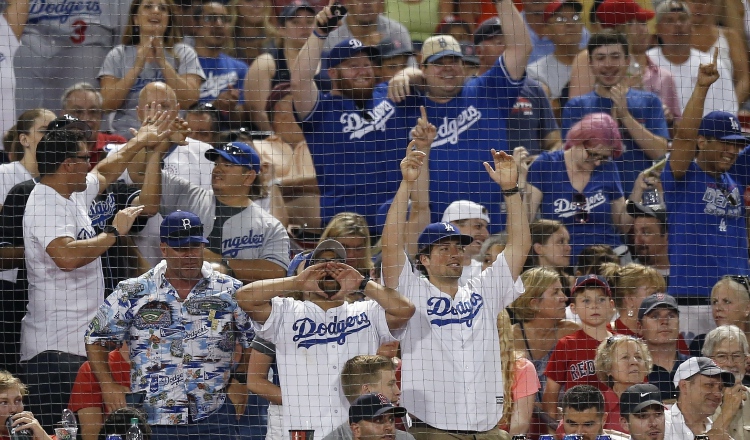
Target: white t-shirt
(675,427)
(451,352)
(9,44)
(473,269)
(312,346)
(721,95)
(61,304)
(11,174)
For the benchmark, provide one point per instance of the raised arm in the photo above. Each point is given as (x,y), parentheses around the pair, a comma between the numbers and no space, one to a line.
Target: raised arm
(505,174)
(518,43)
(653,145)
(257,88)
(419,217)
(684,145)
(17,14)
(304,90)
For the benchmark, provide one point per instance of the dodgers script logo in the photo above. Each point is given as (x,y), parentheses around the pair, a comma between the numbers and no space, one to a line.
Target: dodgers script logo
(232,246)
(358,126)
(460,313)
(62,11)
(214,84)
(564,208)
(449,130)
(335,331)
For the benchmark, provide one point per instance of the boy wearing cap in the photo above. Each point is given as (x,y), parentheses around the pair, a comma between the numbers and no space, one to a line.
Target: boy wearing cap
(572,361)
(639,113)
(531,123)
(659,327)
(181,322)
(642,412)
(322,332)
(450,350)
(564,21)
(246,240)
(373,416)
(708,233)
(701,383)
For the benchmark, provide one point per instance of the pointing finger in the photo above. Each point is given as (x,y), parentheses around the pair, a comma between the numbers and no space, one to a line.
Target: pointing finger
(424,113)
(716,55)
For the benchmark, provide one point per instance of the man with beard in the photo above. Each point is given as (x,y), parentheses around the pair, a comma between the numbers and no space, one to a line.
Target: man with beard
(322,332)
(345,131)
(471,114)
(182,324)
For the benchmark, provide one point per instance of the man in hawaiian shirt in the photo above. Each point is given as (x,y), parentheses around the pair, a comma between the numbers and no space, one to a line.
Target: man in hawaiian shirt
(181,323)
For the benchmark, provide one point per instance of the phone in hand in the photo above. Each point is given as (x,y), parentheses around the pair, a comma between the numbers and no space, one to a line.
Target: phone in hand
(338,10)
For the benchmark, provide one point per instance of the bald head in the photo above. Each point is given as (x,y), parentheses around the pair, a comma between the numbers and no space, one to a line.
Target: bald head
(159,93)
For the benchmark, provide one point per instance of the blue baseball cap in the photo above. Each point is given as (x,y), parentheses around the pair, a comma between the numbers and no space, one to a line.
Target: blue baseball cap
(302,257)
(723,126)
(348,49)
(238,153)
(435,232)
(370,406)
(181,228)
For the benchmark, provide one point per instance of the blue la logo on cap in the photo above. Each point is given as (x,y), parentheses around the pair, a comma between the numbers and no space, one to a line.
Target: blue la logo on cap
(722,126)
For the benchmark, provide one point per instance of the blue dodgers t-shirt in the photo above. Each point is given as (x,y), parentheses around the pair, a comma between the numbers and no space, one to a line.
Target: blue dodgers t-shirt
(468,126)
(549,175)
(645,107)
(707,233)
(220,73)
(351,154)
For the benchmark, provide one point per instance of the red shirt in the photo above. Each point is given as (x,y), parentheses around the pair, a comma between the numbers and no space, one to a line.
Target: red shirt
(572,361)
(102,140)
(622,329)
(86,392)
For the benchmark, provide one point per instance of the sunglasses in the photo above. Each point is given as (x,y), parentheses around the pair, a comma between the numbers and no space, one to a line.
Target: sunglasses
(740,279)
(580,204)
(593,157)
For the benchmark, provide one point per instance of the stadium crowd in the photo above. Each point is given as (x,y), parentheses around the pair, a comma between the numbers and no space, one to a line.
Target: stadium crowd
(409,219)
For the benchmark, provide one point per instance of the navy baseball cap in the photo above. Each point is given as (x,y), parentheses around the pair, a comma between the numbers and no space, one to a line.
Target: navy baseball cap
(488,29)
(592,280)
(435,232)
(181,228)
(639,397)
(657,300)
(390,47)
(238,153)
(640,210)
(723,126)
(292,8)
(370,406)
(348,49)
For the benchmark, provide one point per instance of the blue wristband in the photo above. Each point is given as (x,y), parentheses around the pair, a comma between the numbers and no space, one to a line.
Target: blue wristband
(322,37)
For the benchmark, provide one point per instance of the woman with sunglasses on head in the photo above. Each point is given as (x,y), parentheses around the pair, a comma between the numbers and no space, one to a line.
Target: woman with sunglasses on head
(730,305)
(150,51)
(580,186)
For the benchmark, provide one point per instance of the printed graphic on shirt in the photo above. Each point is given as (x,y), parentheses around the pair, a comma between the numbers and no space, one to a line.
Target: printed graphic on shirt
(565,208)
(722,201)
(232,246)
(311,333)
(461,312)
(582,369)
(449,129)
(359,126)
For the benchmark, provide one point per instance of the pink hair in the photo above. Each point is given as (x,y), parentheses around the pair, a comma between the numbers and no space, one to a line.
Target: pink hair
(595,129)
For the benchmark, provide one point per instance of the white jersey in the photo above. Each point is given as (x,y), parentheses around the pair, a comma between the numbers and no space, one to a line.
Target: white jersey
(9,44)
(451,351)
(61,304)
(11,174)
(721,95)
(186,161)
(312,346)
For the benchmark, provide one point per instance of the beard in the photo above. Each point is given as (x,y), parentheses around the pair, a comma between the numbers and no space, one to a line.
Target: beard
(357,94)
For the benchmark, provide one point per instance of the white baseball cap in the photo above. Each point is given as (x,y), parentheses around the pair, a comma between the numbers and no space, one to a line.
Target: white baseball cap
(464,209)
(703,366)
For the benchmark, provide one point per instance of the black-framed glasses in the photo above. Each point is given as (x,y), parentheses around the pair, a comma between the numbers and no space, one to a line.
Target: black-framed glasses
(83,157)
(580,203)
(192,231)
(743,280)
(574,19)
(247,133)
(593,157)
(206,107)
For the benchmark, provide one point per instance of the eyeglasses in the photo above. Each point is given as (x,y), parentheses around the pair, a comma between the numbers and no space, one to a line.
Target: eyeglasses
(740,279)
(736,357)
(574,19)
(215,18)
(593,157)
(580,203)
(83,157)
(192,231)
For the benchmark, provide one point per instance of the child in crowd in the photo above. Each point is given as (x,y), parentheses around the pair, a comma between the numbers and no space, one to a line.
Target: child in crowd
(572,361)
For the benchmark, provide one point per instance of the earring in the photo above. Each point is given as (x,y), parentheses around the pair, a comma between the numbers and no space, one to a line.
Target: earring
(630,313)
(136,30)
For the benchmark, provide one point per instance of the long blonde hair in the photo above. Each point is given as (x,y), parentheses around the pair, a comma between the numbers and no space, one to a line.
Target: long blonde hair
(508,358)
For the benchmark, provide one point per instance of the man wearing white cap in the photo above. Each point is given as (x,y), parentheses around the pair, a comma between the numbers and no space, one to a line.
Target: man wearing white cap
(701,383)
(471,219)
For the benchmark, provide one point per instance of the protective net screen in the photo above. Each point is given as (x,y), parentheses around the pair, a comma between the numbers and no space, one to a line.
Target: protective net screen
(374,219)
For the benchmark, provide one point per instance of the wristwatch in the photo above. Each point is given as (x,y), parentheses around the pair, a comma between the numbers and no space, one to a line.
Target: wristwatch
(364,282)
(109,229)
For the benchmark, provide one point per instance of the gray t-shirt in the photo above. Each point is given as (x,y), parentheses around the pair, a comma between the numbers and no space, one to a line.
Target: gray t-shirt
(122,58)
(344,432)
(386,28)
(252,234)
(552,72)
